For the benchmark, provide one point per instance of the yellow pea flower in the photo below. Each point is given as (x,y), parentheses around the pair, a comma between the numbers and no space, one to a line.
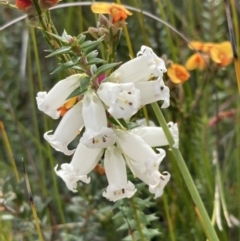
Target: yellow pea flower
(196,45)
(200,46)
(117,12)
(207,47)
(222,53)
(196,61)
(178,73)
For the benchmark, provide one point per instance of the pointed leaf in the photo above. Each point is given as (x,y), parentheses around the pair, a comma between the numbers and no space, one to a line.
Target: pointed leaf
(81,38)
(63,66)
(90,43)
(106,67)
(62,39)
(125,226)
(84,83)
(78,68)
(93,68)
(62,50)
(96,61)
(92,55)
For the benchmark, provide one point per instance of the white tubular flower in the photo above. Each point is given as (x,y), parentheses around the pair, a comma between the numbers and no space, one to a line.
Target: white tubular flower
(137,69)
(158,63)
(154,136)
(56,97)
(156,181)
(119,187)
(162,180)
(97,134)
(67,130)
(141,68)
(123,99)
(83,162)
(139,151)
(153,91)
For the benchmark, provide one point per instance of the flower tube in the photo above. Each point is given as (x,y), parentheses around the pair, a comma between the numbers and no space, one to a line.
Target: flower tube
(141,68)
(97,134)
(154,136)
(83,162)
(67,130)
(119,187)
(57,96)
(139,151)
(153,91)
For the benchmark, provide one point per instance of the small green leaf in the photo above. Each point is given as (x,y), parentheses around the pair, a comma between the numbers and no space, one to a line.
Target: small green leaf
(61,50)
(119,122)
(86,44)
(76,59)
(90,43)
(93,68)
(66,65)
(123,122)
(84,83)
(132,125)
(62,39)
(78,68)
(125,226)
(96,61)
(81,38)
(106,67)
(92,55)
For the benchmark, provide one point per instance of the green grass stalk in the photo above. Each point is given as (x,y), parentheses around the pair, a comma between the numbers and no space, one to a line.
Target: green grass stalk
(138,222)
(34,211)
(199,206)
(33,107)
(9,151)
(169,221)
(169,38)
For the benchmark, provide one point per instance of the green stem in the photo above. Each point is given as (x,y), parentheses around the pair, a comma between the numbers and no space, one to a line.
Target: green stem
(138,223)
(206,223)
(33,107)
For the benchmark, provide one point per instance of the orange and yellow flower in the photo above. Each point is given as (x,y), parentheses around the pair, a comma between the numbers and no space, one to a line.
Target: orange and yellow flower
(201,46)
(207,47)
(222,53)
(69,104)
(178,74)
(196,45)
(116,12)
(196,61)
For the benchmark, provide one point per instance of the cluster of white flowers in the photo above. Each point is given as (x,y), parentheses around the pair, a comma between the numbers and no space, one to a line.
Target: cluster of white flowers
(127,89)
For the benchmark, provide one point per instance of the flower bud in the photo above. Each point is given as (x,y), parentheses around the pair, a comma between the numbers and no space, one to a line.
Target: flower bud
(103,21)
(94,32)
